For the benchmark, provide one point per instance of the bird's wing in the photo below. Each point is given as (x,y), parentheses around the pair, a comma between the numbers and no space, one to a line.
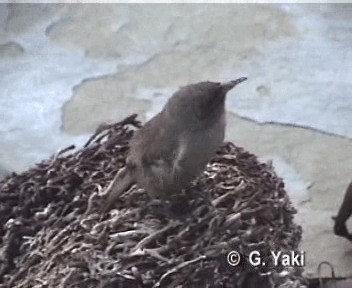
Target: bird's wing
(154,142)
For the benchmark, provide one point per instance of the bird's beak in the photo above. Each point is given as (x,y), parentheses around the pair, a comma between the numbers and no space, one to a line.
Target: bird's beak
(227,86)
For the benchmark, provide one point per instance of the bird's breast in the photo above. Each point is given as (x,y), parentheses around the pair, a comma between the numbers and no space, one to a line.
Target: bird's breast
(201,147)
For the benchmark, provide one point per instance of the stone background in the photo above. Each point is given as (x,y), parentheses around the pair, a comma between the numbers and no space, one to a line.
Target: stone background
(66,68)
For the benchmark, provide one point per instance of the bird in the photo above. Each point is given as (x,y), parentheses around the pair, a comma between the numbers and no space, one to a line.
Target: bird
(173,148)
(343,214)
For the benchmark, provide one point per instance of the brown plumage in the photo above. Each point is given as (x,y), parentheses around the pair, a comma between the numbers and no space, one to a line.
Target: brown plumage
(173,148)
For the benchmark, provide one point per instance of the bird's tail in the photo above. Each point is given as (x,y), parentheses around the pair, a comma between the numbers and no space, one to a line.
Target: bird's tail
(121,183)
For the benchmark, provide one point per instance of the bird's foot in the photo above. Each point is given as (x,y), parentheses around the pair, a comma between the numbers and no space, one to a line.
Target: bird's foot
(177,207)
(158,208)
(180,205)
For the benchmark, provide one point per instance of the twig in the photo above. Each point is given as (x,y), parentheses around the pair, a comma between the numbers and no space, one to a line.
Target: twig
(177,268)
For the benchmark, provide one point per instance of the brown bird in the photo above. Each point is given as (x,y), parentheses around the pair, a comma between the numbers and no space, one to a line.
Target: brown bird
(173,148)
(344,213)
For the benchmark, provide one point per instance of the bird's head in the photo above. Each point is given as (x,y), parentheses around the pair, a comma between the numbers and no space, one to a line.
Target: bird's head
(203,100)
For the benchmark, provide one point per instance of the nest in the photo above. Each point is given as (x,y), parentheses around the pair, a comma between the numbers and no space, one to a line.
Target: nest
(52,236)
